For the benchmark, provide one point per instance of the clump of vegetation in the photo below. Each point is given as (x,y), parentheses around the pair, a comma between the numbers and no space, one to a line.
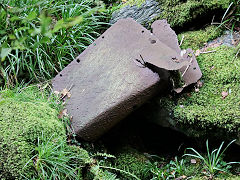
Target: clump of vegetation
(22,121)
(196,39)
(134,2)
(195,166)
(54,159)
(216,105)
(214,160)
(33,142)
(132,161)
(231,17)
(39,38)
(179,12)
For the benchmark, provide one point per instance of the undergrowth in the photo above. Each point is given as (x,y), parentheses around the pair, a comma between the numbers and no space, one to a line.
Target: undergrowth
(39,38)
(231,17)
(178,12)
(208,109)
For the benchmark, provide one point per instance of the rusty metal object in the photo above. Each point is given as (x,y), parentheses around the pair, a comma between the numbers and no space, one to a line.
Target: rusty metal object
(162,30)
(110,78)
(190,73)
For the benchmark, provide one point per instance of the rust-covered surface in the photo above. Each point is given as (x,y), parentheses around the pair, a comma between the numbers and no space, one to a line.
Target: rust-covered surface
(106,81)
(162,30)
(190,73)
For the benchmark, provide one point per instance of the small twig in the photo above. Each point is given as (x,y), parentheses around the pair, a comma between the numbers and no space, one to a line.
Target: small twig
(62,97)
(187,67)
(181,40)
(142,62)
(237,53)
(213,19)
(206,52)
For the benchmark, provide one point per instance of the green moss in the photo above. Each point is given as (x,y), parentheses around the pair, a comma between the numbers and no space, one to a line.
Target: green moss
(133,161)
(180,12)
(207,109)
(21,123)
(134,2)
(196,39)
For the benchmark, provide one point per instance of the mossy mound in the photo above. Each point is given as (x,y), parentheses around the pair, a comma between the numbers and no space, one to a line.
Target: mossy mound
(131,160)
(180,12)
(208,110)
(21,123)
(196,39)
(29,127)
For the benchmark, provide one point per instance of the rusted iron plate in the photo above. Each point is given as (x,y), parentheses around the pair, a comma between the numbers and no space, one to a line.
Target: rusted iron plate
(107,83)
(190,73)
(162,30)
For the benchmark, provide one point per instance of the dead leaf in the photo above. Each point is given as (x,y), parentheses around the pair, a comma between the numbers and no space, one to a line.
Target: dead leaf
(224,94)
(181,177)
(199,84)
(62,113)
(193,161)
(65,93)
(197,90)
(197,53)
(56,93)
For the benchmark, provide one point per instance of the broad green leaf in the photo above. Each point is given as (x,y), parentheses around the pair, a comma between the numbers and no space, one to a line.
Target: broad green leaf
(5,52)
(11,36)
(45,40)
(32,15)
(15,18)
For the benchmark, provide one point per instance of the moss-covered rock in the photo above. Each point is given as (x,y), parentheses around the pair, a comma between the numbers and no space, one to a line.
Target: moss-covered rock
(131,160)
(208,110)
(180,12)
(177,12)
(22,121)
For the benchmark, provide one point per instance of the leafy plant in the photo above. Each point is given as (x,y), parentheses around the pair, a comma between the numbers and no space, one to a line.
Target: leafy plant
(160,171)
(178,167)
(214,161)
(39,38)
(231,17)
(54,159)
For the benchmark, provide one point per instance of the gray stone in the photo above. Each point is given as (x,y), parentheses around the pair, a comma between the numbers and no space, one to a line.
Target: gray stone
(111,78)
(143,14)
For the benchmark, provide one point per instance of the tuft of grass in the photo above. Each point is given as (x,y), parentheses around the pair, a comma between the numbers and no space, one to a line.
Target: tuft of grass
(39,38)
(196,39)
(231,17)
(22,121)
(54,159)
(214,162)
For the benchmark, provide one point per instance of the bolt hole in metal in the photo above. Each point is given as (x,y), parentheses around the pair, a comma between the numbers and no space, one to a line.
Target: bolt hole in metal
(142,31)
(153,41)
(194,68)
(103,37)
(60,75)
(78,60)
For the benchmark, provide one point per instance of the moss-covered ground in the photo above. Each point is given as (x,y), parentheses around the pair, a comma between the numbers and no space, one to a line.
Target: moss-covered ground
(207,110)
(180,12)
(197,39)
(26,119)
